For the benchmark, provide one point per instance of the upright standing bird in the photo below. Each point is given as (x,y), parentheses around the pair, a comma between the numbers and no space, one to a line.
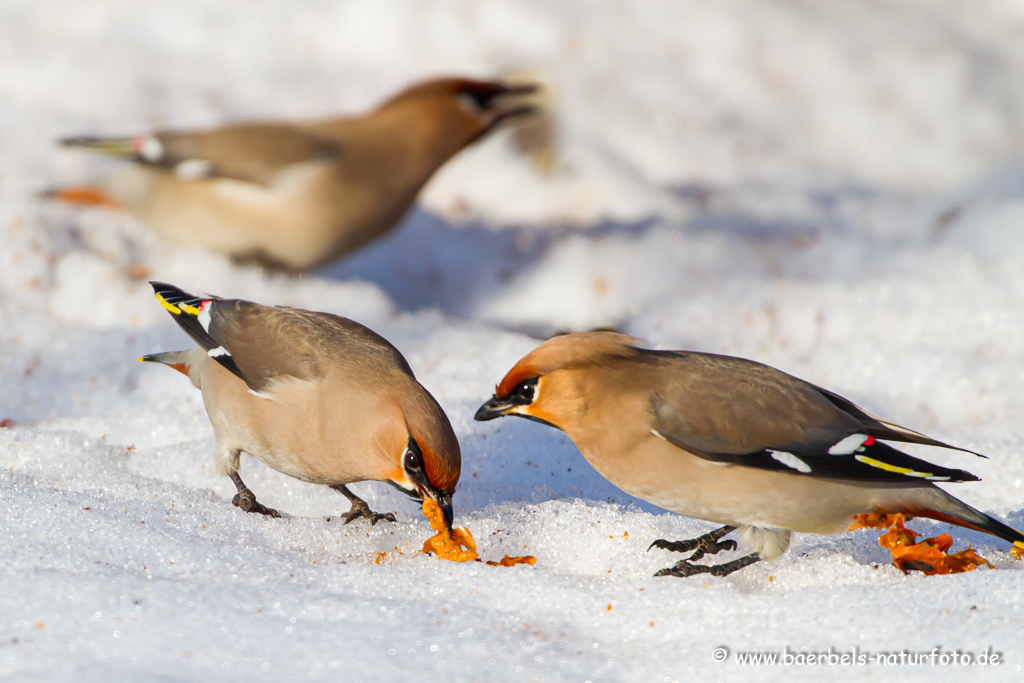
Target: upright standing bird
(730,441)
(298,195)
(316,396)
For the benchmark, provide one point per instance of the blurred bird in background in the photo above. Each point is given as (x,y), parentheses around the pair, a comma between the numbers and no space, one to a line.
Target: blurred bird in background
(298,195)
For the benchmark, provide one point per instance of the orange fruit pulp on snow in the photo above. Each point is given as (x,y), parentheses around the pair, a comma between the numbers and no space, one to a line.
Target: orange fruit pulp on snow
(448,545)
(930,556)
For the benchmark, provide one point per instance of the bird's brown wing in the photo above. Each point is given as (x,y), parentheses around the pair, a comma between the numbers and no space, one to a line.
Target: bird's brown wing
(261,344)
(254,153)
(738,412)
(266,343)
(257,343)
(884,429)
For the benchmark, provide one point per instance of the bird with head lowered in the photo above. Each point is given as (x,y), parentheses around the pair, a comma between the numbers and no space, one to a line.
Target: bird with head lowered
(316,396)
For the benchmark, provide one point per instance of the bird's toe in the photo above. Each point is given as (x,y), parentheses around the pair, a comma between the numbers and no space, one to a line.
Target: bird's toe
(246,501)
(360,509)
(673,546)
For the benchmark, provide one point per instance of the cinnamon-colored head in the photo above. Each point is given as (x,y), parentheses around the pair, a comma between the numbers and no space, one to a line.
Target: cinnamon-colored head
(544,385)
(450,113)
(442,457)
(424,452)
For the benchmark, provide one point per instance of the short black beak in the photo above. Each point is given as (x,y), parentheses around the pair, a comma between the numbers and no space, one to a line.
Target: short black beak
(449,514)
(494,407)
(500,102)
(503,103)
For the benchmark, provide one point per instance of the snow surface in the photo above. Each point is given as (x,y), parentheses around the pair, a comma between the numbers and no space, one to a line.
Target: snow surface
(834,188)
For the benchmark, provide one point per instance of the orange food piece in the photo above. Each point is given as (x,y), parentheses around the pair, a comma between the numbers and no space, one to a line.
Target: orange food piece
(447,545)
(379,557)
(930,556)
(898,536)
(1017,550)
(512,561)
(877,520)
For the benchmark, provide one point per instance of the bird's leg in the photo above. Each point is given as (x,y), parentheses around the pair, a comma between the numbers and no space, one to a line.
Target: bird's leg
(708,544)
(360,508)
(246,499)
(684,568)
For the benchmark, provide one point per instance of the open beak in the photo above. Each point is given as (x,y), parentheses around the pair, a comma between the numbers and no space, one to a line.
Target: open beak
(495,407)
(504,104)
(496,116)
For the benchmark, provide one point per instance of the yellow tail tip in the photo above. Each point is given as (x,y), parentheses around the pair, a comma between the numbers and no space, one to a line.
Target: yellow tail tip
(140,359)
(170,307)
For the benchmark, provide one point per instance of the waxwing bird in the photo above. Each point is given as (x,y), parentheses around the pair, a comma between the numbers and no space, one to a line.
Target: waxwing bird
(298,195)
(316,396)
(730,441)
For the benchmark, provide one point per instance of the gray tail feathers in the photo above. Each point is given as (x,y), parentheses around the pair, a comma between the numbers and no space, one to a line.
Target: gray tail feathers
(935,503)
(117,147)
(181,361)
(171,358)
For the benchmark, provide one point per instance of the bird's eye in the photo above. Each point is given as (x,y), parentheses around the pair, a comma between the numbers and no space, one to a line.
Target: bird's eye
(412,461)
(526,390)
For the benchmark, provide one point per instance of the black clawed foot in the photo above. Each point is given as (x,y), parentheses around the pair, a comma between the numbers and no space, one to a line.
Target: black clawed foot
(247,502)
(703,546)
(684,568)
(246,499)
(675,546)
(708,544)
(361,509)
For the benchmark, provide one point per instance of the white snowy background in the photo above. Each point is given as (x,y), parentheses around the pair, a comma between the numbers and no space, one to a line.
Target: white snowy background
(833,188)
